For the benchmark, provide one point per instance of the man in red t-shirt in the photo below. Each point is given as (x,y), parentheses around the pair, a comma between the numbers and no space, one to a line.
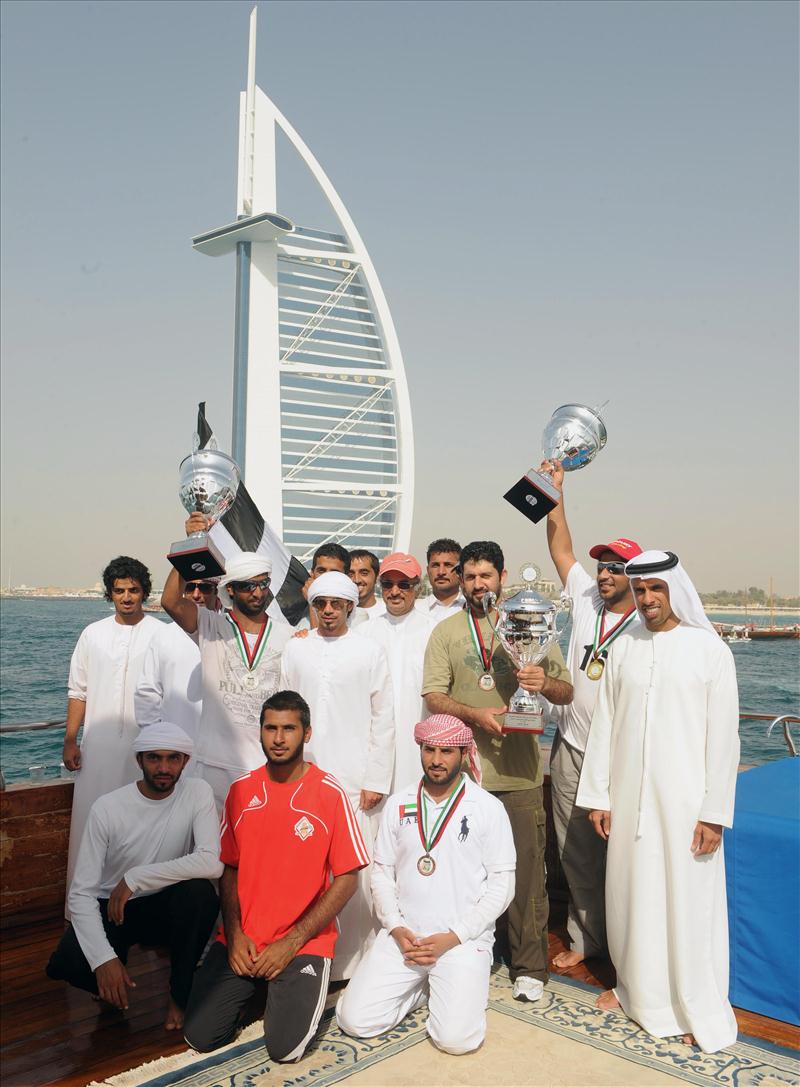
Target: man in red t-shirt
(291,849)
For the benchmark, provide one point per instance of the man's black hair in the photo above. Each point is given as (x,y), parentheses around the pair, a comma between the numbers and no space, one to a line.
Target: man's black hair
(443,546)
(332,551)
(124,566)
(288,702)
(483,551)
(374,561)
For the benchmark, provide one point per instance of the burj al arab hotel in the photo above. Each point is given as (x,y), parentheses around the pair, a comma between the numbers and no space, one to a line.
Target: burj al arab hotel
(321,415)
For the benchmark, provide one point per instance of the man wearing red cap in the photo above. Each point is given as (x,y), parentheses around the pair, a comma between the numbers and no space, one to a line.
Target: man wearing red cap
(403,633)
(443,872)
(602,611)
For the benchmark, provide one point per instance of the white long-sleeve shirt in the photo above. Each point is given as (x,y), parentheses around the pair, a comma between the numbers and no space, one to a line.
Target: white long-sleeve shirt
(170,686)
(151,844)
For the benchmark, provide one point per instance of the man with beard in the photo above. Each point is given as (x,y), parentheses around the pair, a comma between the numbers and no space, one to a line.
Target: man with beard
(659,777)
(443,872)
(445,598)
(240,658)
(345,680)
(291,850)
(602,611)
(469,675)
(403,633)
(171,680)
(143,875)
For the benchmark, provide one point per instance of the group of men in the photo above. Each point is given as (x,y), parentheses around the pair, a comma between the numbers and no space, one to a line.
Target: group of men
(356,843)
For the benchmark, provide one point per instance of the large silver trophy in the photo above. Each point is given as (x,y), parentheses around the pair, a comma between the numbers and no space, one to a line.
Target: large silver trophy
(209,480)
(574,436)
(527,627)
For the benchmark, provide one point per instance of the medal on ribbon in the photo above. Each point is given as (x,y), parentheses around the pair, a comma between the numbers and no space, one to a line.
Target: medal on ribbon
(603,639)
(486,681)
(251,658)
(426,865)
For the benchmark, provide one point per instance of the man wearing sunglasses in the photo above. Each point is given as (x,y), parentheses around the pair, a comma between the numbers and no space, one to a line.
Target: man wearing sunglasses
(603,610)
(170,683)
(403,632)
(240,660)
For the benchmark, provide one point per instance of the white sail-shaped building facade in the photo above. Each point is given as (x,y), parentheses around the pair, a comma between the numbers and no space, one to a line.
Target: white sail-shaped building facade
(321,419)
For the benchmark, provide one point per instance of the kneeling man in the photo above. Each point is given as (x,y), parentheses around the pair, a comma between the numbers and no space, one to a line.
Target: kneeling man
(443,872)
(143,875)
(291,849)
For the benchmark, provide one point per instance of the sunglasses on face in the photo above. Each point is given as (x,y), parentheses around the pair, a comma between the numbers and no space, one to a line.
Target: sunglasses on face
(612,567)
(405,585)
(203,586)
(323,601)
(250,586)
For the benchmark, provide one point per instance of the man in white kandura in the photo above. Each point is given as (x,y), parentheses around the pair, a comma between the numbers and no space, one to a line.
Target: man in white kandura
(443,559)
(364,570)
(602,611)
(659,776)
(103,674)
(170,686)
(144,871)
(345,680)
(442,874)
(240,653)
(403,633)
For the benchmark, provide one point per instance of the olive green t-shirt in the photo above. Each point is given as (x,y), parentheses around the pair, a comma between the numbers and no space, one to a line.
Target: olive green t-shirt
(453,667)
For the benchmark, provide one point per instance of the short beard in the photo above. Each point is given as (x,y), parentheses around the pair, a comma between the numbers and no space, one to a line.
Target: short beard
(445,781)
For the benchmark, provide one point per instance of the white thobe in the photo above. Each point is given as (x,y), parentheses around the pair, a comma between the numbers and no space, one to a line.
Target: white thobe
(170,686)
(347,685)
(662,753)
(404,641)
(103,673)
(438,611)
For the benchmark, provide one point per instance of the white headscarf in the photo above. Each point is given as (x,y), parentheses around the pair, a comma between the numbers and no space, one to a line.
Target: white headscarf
(335,584)
(244,566)
(163,736)
(683,597)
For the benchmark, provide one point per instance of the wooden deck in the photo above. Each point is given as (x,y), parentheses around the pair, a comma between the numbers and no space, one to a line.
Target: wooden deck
(52,1034)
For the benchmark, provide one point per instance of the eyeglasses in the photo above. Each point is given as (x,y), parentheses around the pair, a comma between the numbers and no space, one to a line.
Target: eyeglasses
(323,601)
(612,567)
(251,586)
(203,586)
(405,585)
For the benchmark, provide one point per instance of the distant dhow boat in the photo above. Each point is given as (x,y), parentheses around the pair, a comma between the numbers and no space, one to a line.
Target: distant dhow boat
(322,424)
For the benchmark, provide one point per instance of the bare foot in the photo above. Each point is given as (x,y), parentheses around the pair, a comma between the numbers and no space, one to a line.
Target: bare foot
(607,1001)
(566,959)
(174,1020)
(689,1039)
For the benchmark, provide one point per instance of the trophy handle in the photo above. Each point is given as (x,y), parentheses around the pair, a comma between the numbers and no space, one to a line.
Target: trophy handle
(489,601)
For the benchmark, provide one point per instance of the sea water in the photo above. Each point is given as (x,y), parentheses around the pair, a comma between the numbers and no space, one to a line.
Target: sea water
(37,636)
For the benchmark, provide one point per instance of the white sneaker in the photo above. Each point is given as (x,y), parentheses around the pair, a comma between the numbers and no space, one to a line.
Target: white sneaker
(528,989)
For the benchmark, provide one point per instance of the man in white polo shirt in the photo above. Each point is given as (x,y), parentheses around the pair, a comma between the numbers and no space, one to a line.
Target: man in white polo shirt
(443,872)
(602,611)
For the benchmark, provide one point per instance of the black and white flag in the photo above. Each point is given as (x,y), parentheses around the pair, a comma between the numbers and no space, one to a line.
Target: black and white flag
(243,528)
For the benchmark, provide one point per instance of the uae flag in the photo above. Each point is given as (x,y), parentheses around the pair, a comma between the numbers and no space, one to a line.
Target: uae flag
(243,528)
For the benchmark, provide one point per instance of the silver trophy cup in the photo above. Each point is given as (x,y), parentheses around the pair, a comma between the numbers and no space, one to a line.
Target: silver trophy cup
(574,435)
(527,627)
(209,480)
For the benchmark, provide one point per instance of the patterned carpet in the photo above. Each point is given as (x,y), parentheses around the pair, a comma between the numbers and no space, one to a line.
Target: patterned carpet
(566,1009)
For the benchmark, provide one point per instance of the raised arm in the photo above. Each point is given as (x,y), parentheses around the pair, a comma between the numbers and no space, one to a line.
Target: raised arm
(559,538)
(177,607)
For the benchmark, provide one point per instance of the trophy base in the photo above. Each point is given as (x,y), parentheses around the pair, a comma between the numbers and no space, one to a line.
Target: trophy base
(534,496)
(523,722)
(197,557)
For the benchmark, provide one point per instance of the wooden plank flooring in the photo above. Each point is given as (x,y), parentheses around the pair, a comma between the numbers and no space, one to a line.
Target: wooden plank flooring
(52,1034)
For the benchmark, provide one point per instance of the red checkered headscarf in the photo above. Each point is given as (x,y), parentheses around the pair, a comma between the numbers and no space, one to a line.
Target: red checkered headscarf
(443,730)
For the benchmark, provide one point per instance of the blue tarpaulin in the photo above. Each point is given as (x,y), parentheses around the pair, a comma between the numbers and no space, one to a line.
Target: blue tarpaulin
(762,861)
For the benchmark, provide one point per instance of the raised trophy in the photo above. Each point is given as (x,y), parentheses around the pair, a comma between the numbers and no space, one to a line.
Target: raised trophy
(209,480)
(526,629)
(574,436)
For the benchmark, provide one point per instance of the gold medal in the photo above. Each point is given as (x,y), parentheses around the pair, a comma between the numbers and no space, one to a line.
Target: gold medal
(595,669)
(426,865)
(486,682)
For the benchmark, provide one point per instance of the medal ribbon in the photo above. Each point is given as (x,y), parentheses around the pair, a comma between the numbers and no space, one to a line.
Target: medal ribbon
(251,658)
(445,815)
(602,640)
(477,641)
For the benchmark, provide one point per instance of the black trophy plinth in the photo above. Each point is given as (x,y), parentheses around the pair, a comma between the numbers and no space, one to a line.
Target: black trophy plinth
(197,557)
(534,496)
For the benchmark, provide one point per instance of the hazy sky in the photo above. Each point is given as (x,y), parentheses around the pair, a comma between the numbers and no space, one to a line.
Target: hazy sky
(564,201)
